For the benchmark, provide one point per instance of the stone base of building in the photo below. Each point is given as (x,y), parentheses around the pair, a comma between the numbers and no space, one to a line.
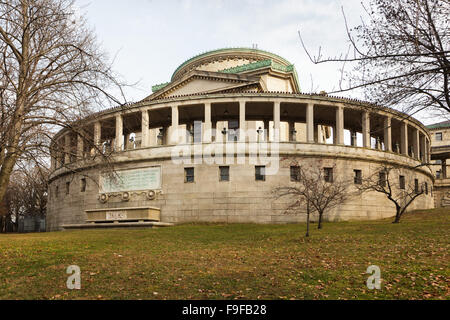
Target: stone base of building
(116,225)
(442,193)
(241,199)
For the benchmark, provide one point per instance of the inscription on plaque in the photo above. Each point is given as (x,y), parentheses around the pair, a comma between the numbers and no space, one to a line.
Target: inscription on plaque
(131,180)
(116,215)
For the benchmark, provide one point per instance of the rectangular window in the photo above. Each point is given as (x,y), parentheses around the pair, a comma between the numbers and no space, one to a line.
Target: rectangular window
(358,176)
(426,188)
(438,174)
(382,179)
(416,185)
(438,136)
(295,173)
(224,173)
(402,182)
(260,173)
(188,175)
(83,185)
(328,174)
(57,191)
(67,187)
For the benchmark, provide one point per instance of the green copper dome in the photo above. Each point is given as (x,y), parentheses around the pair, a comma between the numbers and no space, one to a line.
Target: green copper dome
(220,53)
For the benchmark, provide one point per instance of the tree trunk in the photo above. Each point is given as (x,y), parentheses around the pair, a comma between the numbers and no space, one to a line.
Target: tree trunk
(13,151)
(1,224)
(320,221)
(307,220)
(398,215)
(5,174)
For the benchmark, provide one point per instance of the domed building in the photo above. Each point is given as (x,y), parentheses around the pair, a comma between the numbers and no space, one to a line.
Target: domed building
(212,144)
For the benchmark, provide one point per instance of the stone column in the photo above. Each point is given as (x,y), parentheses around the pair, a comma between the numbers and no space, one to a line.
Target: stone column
(252,134)
(52,160)
(276,121)
(388,134)
(422,149)
(416,143)
(339,132)
(404,138)
(353,138)
(214,131)
(80,147)
(67,148)
(318,137)
(145,131)
(310,123)
(292,134)
(378,143)
(366,129)
(266,130)
(97,134)
(334,134)
(242,127)
(59,154)
(208,125)
(119,133)
(444,168)
(219,128)
(174,137)
(190,130)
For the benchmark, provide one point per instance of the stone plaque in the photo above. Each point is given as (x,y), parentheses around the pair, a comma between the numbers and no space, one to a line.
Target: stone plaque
(123,214)
(131,180)
(116,215)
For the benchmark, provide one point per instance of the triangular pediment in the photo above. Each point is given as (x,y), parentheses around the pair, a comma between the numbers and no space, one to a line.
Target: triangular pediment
(205,82)
(201,85)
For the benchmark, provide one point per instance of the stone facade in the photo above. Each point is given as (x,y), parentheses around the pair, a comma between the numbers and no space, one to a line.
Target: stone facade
(246,106)
(242,199)
(440,143)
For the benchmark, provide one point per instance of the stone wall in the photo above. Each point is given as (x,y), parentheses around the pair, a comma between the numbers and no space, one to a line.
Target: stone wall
(441,193)
(242,199)
(445,141)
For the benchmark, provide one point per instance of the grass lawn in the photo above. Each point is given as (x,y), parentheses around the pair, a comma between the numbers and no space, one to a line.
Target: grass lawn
(237,261)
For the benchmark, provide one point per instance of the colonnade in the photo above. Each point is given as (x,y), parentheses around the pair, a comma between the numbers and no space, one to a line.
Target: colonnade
(416,146)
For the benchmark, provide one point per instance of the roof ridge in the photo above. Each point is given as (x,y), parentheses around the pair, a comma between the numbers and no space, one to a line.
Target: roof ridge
(438,125)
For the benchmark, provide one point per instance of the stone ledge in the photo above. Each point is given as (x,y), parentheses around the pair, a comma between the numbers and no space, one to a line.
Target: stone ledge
(116,225)
(285,149)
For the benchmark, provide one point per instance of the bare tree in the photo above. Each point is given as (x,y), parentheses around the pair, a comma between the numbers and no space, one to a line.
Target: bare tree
(52,73)
(316,190)
(401,55)
(4,212)
(389,180)
(27,193)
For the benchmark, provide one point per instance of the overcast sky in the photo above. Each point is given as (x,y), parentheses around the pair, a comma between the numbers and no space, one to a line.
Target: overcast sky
(151,38)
